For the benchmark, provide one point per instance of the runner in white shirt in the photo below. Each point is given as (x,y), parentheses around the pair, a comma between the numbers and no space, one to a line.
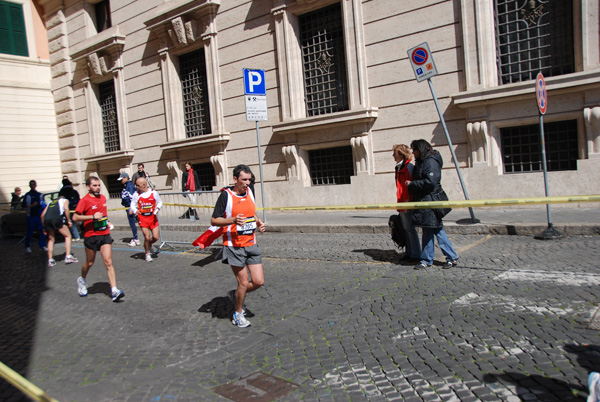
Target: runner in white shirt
(145,205)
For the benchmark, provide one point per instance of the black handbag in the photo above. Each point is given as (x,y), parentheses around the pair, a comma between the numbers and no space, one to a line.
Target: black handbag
(440,212)
(397,231)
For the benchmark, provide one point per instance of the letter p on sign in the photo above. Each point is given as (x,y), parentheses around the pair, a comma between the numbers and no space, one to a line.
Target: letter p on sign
(254,82)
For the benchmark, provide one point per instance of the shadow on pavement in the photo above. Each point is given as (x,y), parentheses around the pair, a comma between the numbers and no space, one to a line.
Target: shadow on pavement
(99,287)
(221,307)
(547,388)
(381,255)
(537,387)
(22,282)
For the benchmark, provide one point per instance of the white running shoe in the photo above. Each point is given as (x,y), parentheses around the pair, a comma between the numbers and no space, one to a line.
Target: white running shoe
(134,242)
(81,287)
(45,248)
(594,386)
(240,320)
(51,262)
(117,295)
(28,250)
(70,259)
(148,258)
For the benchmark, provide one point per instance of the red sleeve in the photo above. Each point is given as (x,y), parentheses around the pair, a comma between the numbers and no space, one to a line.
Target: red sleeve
(81,206)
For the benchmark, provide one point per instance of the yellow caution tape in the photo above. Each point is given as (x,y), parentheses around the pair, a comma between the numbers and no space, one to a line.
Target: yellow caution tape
(425,205)
(24,385)
(449,204)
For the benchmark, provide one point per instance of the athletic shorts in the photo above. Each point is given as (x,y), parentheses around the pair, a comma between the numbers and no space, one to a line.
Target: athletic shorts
(53,224)
(95,242)
(149,222)
(241,256)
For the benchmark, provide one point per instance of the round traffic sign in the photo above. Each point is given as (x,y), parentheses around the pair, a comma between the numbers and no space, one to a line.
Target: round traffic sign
(419,56)
(540,93)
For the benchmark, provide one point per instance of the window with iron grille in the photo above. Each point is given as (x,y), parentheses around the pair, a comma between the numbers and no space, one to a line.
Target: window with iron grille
(114,187)
(206,175)
(110,124)
(533,36)
(331,165)
(192,70)
(322,42)
(13,38)
(103,20)
(522,151)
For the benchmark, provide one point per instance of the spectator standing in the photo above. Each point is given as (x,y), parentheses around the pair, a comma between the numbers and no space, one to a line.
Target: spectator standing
(141,173)
(145,205)
(15,198)
(235,212)
(54,218)
(427,176)
(33,203)
(126,196)
(72,196)
(404,172)
(91,210)
(190,183)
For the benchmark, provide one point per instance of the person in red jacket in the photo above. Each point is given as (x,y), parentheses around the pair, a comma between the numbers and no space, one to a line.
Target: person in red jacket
(404,170)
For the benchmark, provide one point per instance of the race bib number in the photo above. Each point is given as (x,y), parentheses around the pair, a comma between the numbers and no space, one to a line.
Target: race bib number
(101,224)
(248,227)
(146,210)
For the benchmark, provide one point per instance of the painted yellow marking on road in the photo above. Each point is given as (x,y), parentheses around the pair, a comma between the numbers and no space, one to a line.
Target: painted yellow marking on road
(475,243)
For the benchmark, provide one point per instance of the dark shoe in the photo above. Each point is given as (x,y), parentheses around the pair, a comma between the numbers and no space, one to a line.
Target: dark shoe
(422,265)
(450,264)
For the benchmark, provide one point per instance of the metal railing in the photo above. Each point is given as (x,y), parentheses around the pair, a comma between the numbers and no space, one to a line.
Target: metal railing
(185,216)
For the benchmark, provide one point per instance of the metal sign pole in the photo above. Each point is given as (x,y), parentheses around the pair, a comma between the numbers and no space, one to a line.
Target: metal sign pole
(550,232)
(437,106)
(542,101)
(255,95)
(262,182)
(543,142)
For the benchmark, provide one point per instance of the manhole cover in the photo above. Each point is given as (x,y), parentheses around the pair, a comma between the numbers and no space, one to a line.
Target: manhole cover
(257,387)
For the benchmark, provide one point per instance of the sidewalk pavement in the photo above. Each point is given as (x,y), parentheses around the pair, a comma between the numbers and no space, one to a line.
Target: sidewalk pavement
(513,221)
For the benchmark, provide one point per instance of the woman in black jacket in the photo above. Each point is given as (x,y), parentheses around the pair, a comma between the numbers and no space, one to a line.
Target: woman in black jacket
(427,176)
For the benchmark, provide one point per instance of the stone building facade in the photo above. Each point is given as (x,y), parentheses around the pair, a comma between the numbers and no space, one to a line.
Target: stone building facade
(160,82)
(29,148)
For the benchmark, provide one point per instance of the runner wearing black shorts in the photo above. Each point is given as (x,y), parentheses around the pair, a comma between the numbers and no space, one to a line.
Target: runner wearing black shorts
(91,210)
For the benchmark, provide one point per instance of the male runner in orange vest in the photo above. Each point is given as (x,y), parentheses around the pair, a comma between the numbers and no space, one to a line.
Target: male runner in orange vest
(235,211)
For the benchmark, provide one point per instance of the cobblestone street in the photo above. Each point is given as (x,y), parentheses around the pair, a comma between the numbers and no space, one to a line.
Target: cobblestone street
(339,316)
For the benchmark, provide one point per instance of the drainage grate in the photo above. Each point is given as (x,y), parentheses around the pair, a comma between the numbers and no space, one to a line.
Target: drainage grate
(257,387)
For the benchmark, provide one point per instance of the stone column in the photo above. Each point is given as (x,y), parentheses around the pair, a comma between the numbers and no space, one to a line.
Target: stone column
(591,116)
(479,141)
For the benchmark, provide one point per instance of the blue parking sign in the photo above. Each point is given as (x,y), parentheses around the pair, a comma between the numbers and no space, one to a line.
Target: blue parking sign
(254,82)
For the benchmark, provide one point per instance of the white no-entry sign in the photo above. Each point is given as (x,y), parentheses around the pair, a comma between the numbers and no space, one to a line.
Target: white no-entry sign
(255,94)
(422,62)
